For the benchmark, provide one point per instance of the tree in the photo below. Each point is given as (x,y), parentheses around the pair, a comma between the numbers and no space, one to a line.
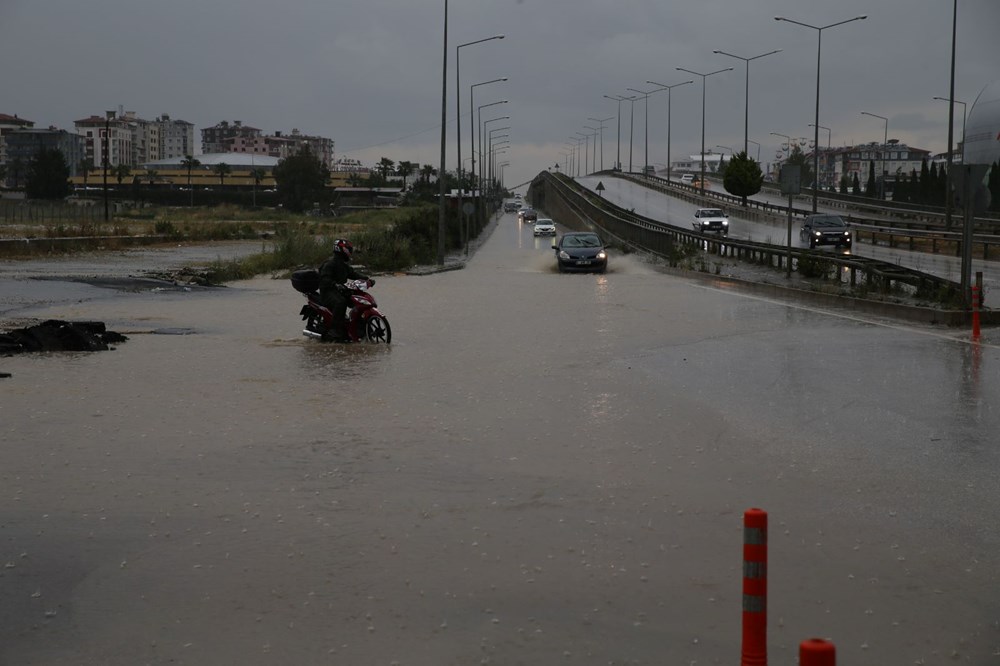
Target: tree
(86,166)
(301,180)
(845,183)
(856,185)
(3,175)
(121,172)
(742,176)
(190,163)
(405,170)
(385,167)
(426,172)
(48,176)
(933,187)
(151,176)
(870,185)
(222,170)
(257,175)
(805,164)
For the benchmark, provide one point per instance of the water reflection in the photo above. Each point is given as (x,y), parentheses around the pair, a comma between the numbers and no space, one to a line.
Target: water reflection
(342,362)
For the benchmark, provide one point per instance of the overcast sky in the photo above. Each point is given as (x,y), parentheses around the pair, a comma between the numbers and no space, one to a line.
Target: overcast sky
(368,73)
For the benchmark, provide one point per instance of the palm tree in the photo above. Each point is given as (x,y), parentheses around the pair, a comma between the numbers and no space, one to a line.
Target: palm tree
(122,171)
(86,166)
(151,176)
(190,163)
(405,170)
(385,166)
(426,171)
(222,170)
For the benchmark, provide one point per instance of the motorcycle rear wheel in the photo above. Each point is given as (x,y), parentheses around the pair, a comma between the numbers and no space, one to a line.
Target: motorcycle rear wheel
(377,330)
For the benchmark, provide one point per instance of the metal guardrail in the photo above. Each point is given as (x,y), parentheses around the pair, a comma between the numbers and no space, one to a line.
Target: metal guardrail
(891,233)
(662,239)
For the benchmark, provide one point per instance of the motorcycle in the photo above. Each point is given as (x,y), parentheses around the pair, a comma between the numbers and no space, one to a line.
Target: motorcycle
(365,323)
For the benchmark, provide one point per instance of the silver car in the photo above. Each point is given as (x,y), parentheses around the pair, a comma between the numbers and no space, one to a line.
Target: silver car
(545,227)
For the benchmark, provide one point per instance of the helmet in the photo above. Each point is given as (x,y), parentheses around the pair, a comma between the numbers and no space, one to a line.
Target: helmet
(344,247)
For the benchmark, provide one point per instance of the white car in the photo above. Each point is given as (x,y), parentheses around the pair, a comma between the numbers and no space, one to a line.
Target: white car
(687,178)
(545,227)
(711,219)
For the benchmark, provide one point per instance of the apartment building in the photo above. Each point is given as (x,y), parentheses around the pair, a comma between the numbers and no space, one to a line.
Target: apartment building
(22,145)
(119,135)
(235,137)
(9,124)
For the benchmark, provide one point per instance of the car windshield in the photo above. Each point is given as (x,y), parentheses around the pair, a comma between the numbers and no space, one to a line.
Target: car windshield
(711,212)
(543,222)
(582,241)
(828,221)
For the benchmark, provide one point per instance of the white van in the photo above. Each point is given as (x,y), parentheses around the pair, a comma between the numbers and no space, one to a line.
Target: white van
(687,178)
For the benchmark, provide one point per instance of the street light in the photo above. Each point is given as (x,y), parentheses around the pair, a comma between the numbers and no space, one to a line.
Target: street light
(601,121)
(828,134)
(631,125)
(482,125)
(669,89)
(473,144)
(619,99)
(483,150)
(746,109)
(593,156)
(458,116)
(758,149)
(885,145)
(109,116)
(444,134)
(645,95)
(703,77)
(819,49)
(945,99)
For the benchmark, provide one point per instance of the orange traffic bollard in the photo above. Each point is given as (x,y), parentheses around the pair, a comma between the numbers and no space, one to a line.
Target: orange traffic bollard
(975,311)
(817,652)
(754,650)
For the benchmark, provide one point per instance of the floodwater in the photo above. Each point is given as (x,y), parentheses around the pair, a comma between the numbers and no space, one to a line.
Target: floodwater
(541,469)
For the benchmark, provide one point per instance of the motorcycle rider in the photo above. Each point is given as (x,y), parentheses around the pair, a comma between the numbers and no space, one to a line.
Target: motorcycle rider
(334,272)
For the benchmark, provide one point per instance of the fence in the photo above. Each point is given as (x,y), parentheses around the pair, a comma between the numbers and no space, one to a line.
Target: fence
(563,197)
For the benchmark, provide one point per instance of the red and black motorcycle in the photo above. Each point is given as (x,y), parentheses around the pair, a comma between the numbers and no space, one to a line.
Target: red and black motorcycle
(364,321)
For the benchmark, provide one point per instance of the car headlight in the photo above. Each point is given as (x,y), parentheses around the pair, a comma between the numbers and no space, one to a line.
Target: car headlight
(563,254)
(817,233)
(602,255)
(847,233)
(725,223)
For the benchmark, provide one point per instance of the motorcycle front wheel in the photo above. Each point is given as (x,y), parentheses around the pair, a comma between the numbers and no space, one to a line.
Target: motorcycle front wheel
(377,330)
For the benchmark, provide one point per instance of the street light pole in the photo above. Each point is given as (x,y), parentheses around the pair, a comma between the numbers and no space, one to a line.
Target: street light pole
(631,126)
(458,122)
(444,128)
(473,127)
(669,90)
(703,86)
(601,121)
(758,149)
(619,99)
(819,50)
(746,104)
(482,156)
(593,155)
(885,146)
(105,158)
(645,94)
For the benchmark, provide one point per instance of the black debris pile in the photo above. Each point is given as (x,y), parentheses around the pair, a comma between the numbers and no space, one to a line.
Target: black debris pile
(57,335)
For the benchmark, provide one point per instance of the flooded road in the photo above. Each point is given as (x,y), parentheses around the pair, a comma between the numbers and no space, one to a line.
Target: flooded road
(541,469)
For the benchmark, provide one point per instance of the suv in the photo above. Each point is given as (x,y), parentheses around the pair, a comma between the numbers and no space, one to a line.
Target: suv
(711,219)
(825,229)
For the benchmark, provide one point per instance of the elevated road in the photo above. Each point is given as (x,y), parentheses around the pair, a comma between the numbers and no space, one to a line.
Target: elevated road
(671,210)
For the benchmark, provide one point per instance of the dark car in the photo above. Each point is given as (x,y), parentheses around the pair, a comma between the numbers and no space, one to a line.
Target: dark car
(581,251)
(826,230)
